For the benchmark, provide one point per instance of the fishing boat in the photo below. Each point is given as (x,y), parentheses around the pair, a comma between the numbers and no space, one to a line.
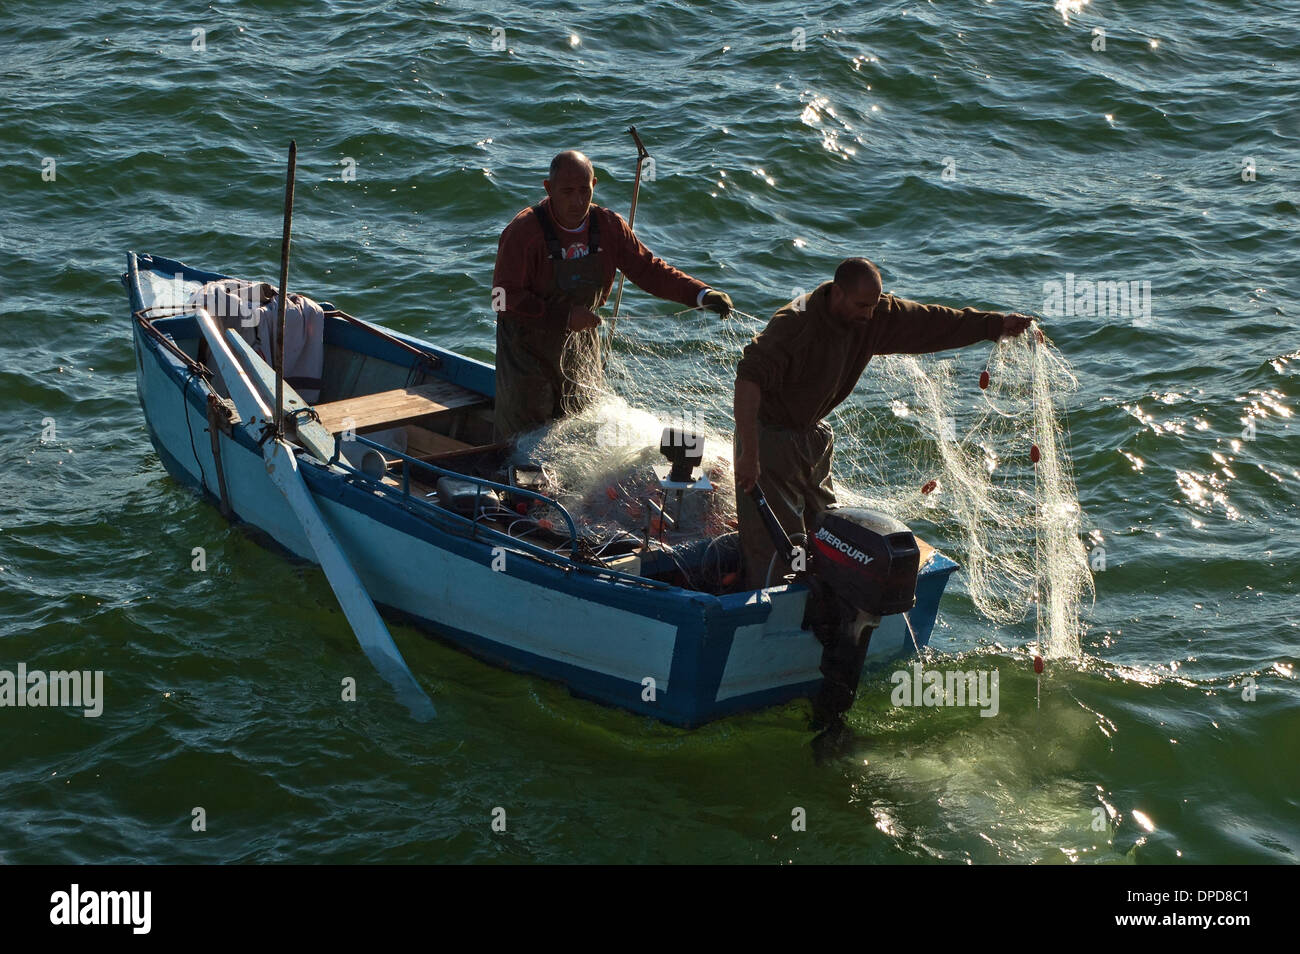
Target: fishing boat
(382,480)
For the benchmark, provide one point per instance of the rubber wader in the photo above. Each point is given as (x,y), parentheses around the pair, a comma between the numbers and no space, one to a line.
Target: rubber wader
(534,385)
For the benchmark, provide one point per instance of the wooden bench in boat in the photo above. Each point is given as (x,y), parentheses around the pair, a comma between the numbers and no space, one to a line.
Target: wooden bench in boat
(394,407)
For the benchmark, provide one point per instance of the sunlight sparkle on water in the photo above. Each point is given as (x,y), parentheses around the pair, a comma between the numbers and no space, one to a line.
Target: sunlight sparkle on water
(1146,823)
(1066,7)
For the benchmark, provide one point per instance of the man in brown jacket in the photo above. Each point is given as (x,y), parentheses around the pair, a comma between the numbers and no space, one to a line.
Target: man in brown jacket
(555,266)
(800,367)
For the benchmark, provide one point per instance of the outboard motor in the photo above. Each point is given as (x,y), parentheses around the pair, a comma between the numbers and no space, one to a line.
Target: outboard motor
(861,566)
(868,559)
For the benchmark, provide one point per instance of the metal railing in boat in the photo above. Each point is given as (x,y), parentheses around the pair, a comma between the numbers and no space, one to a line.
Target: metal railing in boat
(477,529)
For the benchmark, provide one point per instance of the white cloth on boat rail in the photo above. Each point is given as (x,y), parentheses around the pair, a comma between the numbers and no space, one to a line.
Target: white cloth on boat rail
(251,309)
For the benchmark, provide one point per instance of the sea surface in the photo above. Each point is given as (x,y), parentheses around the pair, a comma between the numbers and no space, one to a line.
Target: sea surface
(976,150)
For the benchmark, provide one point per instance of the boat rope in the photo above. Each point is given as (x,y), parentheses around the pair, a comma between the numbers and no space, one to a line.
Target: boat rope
(308,413)
(191,373)
(423,366)
(166,341)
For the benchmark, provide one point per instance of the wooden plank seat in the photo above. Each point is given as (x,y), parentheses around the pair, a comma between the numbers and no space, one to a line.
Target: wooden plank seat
(396,406)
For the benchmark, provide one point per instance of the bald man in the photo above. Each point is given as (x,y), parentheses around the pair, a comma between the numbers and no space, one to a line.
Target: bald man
(800,367)
(555,265)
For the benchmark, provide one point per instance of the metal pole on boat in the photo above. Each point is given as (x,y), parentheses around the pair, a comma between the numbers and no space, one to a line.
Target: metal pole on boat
(284,282)
(641,157)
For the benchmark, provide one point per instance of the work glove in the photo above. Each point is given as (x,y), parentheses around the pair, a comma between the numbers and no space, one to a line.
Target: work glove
(717,301)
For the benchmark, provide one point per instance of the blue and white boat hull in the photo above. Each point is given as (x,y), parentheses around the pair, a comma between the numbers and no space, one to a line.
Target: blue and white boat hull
(678,655)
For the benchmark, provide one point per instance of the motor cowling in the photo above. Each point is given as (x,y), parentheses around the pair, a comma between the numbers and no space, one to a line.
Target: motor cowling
(867,559)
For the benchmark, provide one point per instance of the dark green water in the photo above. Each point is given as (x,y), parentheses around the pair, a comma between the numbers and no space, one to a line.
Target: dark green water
(221,687)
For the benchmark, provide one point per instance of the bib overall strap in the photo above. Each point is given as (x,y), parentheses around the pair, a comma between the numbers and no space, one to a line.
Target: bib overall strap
(552,240)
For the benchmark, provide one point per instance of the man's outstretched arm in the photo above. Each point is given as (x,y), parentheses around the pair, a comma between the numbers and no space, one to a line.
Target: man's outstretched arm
(909,327)
(660,279)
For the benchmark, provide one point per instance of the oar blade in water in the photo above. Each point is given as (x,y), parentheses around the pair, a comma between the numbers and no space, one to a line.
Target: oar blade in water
(371,633)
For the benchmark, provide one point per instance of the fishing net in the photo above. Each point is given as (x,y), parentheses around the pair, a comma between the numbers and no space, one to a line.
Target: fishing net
(599,459)
(985,472)
(583,368)
(983,457)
